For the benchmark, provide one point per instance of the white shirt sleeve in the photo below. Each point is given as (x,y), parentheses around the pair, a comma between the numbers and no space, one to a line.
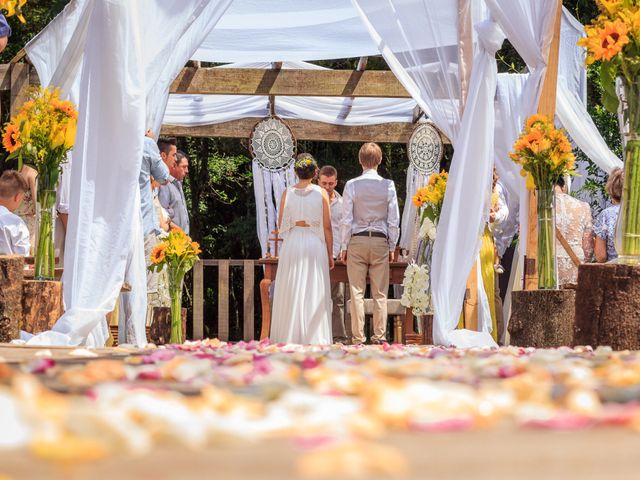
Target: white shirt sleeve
(347,216)
(393,216)
(20,239)
(502,210)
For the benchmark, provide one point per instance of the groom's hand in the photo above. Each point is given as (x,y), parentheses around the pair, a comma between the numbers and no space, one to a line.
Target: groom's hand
(343,255)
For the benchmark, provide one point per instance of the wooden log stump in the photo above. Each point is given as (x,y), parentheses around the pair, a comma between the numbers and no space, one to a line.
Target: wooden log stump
(542,318)
(41,305)
(160,329)
(11,270)
(608,306)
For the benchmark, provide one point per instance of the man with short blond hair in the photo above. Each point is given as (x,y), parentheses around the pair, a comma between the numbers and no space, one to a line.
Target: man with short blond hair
(328,180)
(370,231)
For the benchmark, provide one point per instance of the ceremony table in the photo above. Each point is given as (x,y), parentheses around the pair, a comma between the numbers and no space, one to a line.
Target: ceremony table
(338,275)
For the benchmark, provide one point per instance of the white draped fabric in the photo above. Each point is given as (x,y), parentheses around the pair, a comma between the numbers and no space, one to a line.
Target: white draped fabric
(104,236)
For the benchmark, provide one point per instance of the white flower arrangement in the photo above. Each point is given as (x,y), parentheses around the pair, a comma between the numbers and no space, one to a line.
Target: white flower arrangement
(417,291)
(427,230)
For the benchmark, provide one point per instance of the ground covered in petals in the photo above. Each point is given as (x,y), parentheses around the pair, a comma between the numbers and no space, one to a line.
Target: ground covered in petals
(329,411)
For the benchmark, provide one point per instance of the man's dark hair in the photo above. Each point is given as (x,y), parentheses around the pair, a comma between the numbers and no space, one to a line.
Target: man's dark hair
(165,144)
(328,171)
(179,156)
(560,181)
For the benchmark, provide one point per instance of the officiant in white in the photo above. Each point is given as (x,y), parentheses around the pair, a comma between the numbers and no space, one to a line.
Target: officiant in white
(370,231)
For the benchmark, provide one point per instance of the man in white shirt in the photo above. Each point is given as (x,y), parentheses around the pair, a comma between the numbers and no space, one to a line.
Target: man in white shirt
(328,179)
(14,234)
(370,230)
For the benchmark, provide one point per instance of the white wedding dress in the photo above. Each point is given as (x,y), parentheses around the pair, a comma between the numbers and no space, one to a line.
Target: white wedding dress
(302,296)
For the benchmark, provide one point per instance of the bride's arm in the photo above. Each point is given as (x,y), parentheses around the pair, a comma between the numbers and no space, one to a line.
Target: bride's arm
(328,231)
(281,215)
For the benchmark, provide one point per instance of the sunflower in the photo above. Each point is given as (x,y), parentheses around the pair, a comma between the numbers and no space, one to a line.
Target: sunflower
(610,6)
(158,253)
(196,248)
(537,118)
(11,138)
(605,42)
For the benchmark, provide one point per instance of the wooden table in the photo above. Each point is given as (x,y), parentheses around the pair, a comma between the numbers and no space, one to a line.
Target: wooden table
(338,275)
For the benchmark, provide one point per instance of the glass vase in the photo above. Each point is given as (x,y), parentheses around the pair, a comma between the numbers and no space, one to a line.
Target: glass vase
(547,274)
(175,292)
(628,237)
(45,262)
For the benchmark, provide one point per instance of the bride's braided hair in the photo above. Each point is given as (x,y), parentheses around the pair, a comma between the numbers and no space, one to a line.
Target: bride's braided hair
(306,166)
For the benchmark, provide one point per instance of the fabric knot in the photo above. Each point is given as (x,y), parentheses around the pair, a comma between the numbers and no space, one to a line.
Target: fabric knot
(490,36)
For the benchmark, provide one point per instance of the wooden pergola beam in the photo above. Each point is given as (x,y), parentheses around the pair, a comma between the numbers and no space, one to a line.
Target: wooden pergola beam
(302,130)
(315,83)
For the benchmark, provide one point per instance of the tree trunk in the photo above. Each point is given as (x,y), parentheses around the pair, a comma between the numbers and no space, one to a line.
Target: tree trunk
(608,306)
(41,304)
(11,273)
(160,329)
(542,318)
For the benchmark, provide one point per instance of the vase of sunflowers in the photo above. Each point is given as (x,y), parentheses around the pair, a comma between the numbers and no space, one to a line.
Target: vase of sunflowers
(417,277)
(613,42)
(41,135)
(544,154)
(178,253)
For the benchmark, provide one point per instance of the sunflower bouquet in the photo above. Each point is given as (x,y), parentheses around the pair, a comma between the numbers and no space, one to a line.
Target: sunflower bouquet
(178,253)
(417,279)
(41,135)
(13,7)
(613,43)
(544,154)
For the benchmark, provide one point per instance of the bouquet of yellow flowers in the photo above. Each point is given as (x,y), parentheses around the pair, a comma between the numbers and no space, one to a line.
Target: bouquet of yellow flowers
(13,7)
(431,196)
(417,276)
(41,135)
(543,152)
(613,41)
(178,253)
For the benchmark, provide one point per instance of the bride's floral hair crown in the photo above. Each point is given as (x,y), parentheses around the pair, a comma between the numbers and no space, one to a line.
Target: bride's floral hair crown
(305,166)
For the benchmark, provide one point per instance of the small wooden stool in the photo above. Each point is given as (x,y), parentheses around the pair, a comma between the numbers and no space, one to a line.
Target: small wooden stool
(395,309)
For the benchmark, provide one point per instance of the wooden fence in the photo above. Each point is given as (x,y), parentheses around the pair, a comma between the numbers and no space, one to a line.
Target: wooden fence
(248,297)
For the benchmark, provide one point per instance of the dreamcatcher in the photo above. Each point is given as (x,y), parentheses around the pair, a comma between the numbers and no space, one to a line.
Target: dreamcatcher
(273,149)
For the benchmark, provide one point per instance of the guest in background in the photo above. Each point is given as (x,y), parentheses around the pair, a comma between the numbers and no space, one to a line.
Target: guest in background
(573,220)
(5,32)
(328,180)
(370,230)
(172,196)
(27,209)
(498,214)
(14,234)
(605,225)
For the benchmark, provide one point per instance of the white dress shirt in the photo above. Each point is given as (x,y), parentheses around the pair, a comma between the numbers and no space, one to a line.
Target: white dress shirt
(14,234)
(506,223)
(336,221)
(370,203)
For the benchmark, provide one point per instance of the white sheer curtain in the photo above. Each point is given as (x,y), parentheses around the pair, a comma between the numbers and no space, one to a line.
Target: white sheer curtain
(104,235)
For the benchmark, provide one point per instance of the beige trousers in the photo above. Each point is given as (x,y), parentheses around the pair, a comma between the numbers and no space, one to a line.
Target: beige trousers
(368,255)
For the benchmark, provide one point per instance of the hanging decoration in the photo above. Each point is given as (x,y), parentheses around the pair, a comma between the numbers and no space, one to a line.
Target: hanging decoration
(273,149)
(425,150)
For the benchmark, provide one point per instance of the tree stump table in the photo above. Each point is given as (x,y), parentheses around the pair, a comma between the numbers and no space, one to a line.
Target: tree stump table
(11,270)
(160,330)
(41,305)
(608,306)
(542,318)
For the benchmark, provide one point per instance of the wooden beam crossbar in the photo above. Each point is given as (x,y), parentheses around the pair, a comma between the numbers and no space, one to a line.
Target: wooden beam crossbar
(313,83)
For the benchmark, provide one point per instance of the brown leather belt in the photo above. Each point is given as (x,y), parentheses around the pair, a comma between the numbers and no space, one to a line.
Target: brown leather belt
(368,233)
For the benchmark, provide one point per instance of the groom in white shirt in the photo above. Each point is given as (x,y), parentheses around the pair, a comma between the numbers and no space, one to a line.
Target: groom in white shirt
(370,230)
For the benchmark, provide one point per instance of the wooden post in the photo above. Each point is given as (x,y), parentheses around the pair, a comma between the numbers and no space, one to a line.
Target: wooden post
(223,300)
(546,106)
(11,271)
(198,301)
(19,86)
(247,295)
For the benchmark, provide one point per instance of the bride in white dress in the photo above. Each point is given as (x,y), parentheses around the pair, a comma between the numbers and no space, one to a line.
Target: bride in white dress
(302,296)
